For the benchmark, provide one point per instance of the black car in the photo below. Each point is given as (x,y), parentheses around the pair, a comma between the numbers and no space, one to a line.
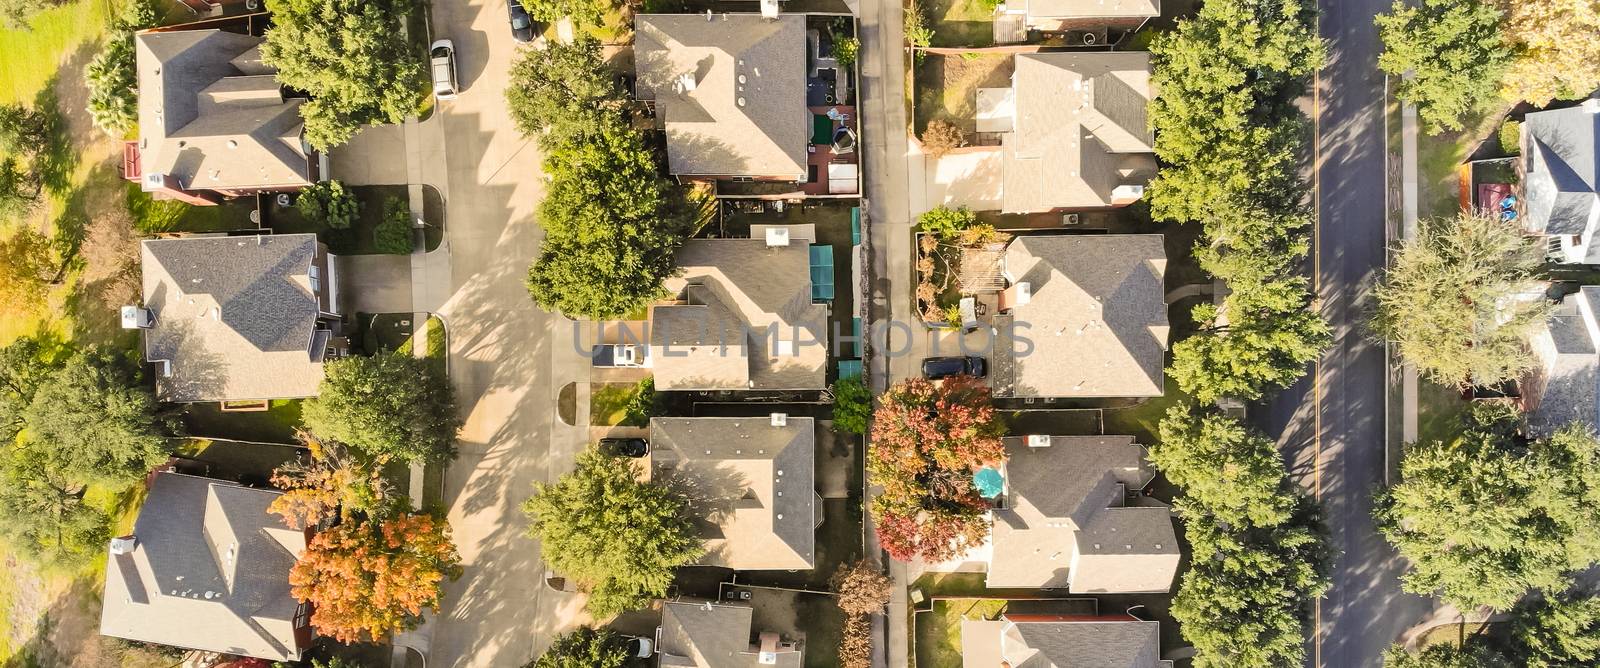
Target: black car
(935,368)
(625,447)
(521,23)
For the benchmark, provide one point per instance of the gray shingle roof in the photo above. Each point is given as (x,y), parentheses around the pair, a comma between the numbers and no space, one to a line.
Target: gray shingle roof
(1079,130)
(1559,184)
(234,316)
(734,290)
(1567,388)
(745,114)
(752,483)
(1061,500)
(211,116)
(712,635)
(210,571)
(1082,644)
(1097,317)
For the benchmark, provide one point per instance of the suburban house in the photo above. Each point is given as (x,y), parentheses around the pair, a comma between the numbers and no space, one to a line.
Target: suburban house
(1071,517)
(1560,192)
(1084,22)
(213,121)
(753,482)
(234,319)
(748,97)
(1074,315)
(1565,388)
(207,568)
(744,317)
(1073,131)
(715,635)
(1061,641)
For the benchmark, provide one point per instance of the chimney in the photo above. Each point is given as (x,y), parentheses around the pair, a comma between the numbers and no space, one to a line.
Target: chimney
(780,419)
(777,236)
(1038,441)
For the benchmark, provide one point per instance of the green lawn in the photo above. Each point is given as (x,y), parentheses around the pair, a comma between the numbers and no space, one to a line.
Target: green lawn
(822,620)
(152,215)
(608,403)
(1140,421)
(1440,411)
(232,460)
(947,87)
(938,642)
(29,59)
(274,425)
(960,22)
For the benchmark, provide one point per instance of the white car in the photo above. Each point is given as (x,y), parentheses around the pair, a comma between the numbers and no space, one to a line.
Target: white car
(442,56)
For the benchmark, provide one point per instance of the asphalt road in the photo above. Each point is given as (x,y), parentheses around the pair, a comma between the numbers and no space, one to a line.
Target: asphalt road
(1332,423)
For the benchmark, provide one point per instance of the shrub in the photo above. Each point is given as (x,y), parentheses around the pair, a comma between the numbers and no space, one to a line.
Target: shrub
(394,235)
(329,203)
(852,403)
(845,50)
(110,79)
(643,405)
(940,137)
(946,222)
(918,35)
(1511,137)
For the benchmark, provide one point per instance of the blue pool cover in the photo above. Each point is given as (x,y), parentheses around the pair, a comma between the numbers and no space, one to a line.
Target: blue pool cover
(989,482)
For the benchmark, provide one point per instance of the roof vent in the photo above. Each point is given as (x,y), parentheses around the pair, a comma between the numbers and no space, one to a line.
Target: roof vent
(740,100)
(233,143)
(708,16)
(780,419)
(1038,441)
(777,235)
(124,544)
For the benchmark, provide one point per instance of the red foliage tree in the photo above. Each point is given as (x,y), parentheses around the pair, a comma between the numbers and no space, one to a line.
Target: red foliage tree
(367,578)
(927,440)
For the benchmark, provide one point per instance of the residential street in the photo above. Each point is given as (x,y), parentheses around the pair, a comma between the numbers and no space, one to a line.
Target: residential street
(498,613)
(1338,454)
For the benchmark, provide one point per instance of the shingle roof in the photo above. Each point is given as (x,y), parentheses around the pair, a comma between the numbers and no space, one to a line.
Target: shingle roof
(1093,8)
(234,316)
(1061,501)
(752,483)
(712,635)
(745,112)
(734,291)
(1561,175)
(212,117)
(1073,644)
(210,571)
(1569,384)
(1079,130)
(1097,317)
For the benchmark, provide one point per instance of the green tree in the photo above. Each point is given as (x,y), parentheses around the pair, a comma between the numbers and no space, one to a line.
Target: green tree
(616,536)
(852,404)
(19,188)
(1261,337)
(23,368)
(1484,518)
(584,13)
(1225,126)
(395,234)
(643,405)
(845,51)
(1454,300)
(353,59)
(18,13)
(1455,53)
(51,524)
(1475,653)
(28,267)
(1245,600)
(386,405)
(584,647)
(1235,474)
(1558,631)
(111,77)
(23,131)
(95,421)
(328,203)
(554,87)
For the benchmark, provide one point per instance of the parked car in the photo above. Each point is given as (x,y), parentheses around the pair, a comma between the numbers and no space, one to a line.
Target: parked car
(625,447)
(621,355)
(935,368)
(640,647)
(521,24)
(442,56)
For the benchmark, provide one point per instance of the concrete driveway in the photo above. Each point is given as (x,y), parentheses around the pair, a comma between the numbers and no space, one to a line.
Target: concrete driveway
(498,613)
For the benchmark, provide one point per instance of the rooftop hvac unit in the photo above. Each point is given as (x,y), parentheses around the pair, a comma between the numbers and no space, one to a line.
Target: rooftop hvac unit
(769,9)
(777,236)
(780,419)
(137,317)
(1024,293)
(1070,219)
(124,544)
(1038,441)
(154,181)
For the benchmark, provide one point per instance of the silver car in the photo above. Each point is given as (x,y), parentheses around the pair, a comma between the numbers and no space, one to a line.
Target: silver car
(442,55)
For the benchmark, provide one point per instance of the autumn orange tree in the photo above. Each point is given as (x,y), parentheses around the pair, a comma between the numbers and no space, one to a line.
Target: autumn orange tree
(927,441)
(366,578)
(329,482)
